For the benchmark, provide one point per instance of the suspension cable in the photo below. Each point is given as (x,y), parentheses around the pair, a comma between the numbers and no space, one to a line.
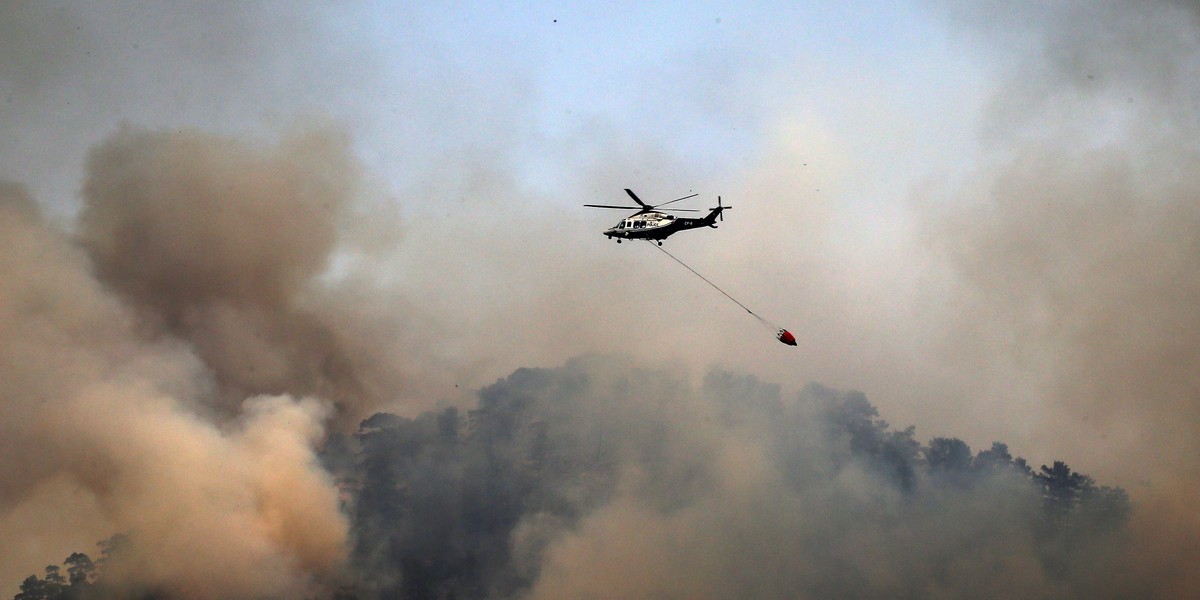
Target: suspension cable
(714,286)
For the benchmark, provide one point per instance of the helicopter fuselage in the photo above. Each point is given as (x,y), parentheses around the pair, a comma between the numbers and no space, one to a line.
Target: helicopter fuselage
(654,225)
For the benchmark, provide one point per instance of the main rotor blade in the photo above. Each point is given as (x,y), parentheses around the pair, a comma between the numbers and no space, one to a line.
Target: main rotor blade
(677,209)
(636,199)
(678,199)
(611,206)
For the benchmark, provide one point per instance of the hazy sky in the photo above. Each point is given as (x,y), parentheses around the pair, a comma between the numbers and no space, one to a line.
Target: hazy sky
(487,125)
(980,214)
(706,83)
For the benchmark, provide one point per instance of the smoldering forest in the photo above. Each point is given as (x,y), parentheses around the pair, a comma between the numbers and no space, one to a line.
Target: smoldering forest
(601,478)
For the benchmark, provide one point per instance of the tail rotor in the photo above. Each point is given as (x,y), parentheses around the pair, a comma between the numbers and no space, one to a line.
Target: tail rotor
(720,209)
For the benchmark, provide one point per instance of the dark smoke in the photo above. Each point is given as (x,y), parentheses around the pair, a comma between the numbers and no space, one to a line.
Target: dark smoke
(168,371)
(100,432)
(219,243)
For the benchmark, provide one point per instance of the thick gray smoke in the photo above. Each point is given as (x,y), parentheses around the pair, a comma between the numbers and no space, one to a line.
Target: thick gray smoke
(219,243)
(168,376)
(179,364)
(1076,252)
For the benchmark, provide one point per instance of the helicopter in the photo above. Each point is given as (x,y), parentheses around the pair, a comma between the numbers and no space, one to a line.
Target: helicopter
(650,223)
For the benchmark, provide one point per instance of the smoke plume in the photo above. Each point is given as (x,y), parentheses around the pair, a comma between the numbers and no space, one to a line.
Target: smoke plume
(1076,252)
(167,376)
(219,243)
